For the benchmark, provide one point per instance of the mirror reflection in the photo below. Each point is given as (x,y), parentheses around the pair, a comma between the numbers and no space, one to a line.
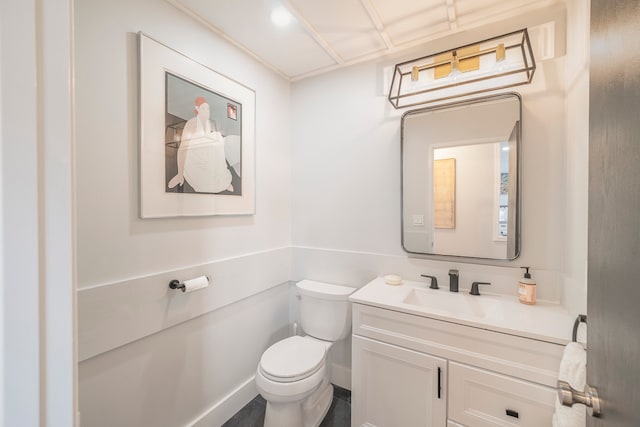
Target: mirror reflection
(460,178)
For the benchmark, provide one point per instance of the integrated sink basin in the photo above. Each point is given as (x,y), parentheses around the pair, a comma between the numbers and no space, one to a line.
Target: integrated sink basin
(545,321)
(455,304)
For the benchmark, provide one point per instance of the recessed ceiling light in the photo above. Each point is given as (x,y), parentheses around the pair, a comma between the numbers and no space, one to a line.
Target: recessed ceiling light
(281,16)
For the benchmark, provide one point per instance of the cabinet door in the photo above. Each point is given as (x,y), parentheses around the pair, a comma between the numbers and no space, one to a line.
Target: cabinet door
(393,386)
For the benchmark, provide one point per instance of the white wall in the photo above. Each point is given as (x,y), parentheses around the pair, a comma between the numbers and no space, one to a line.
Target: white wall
(2,207)
(346,164)
(476,195)
(21,346)
(113,244)
(2,204)
(37,306)
(346,176)
(199,372)
(151,356)
(574,295)
(327,194)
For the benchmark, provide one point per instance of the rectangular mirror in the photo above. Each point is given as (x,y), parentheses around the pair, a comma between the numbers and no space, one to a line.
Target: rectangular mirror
(460,179)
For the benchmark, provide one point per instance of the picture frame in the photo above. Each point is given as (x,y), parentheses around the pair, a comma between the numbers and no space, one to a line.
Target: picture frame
(197,137)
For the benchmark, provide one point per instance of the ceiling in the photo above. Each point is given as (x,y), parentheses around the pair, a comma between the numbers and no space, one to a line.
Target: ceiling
(324,35)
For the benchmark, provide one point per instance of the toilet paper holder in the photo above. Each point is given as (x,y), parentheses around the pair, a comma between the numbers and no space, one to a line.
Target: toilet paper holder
(176,284)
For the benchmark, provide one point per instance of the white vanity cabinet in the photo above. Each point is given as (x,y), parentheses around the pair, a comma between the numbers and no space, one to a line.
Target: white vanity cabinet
(410,370)
(396,386)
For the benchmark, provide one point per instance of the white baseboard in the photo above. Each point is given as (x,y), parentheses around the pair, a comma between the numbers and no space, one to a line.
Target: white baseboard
(341,376)
(226,407)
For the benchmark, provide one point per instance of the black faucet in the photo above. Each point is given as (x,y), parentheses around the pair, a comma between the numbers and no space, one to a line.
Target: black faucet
(474,287)
(453,280)
(434,281)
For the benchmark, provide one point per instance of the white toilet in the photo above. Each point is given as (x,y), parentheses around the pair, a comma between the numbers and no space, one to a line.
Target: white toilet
(293,375)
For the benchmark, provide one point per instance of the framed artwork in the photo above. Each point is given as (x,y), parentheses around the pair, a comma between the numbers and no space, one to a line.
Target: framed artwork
(197,137)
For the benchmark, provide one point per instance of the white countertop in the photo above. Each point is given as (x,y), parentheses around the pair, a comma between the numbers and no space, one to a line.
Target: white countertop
(502,313)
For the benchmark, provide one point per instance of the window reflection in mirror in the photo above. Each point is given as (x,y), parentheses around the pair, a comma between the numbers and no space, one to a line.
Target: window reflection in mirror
(460,179)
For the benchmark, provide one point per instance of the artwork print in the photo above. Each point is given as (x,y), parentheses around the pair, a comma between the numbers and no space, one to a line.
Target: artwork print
(203,143)
(197,137)
(504,183)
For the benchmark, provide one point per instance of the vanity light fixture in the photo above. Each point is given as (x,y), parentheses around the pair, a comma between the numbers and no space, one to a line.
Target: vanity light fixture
(491,64)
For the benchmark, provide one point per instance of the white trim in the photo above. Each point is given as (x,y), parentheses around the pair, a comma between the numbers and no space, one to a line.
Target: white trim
(223,35)
(230,258)
(347,251)
(470,23)
(57,199)
(341,376)
(21,265)
(2,273)
(377,22)
(37,206)
(451,13)
(226,407)
(313,33)
(106,313)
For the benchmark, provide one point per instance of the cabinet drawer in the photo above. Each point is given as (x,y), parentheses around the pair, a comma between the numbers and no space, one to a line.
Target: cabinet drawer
(526,358)
(481,398)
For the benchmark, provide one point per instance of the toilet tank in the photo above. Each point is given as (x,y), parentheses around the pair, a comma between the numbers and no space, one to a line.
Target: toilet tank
(325,311)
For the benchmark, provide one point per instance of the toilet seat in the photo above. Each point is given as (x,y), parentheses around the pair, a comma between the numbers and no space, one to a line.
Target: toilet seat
(292,359)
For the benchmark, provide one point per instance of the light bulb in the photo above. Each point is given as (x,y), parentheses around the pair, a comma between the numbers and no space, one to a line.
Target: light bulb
(455,73)
(415,74)
(501,53)
(415,78)
(501,64)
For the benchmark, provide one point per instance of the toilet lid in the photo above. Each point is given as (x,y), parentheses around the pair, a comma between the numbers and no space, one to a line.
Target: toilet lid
(292,359)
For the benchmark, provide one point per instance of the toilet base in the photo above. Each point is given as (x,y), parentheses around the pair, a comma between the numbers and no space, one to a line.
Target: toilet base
(283,414)
(315,408)
(306,413)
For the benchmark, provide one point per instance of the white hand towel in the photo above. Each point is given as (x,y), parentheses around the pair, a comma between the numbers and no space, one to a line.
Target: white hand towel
(573,369)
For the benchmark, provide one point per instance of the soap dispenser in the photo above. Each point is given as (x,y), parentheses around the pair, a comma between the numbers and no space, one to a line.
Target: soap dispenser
(527,288)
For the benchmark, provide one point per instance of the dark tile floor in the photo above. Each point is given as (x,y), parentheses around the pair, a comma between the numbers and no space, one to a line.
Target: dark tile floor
(339,415)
